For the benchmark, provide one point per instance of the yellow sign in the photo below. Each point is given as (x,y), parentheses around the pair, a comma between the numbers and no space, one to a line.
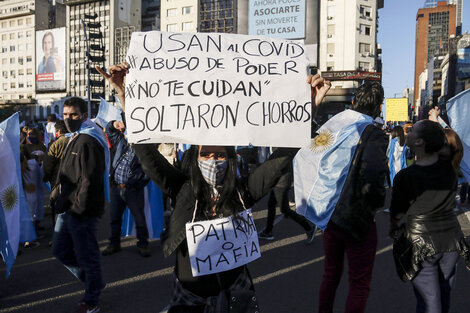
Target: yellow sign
(397,110)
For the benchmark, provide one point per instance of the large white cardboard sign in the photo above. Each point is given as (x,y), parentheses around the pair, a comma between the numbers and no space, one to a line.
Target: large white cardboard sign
(217,89)
(222,244)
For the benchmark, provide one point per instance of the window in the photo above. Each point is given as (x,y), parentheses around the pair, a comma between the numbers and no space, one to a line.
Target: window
(186,10)
(364,48)
(5,86)
(12,23)
(5,74)
(171,12)
(12,60)
(13,73)
(29,84)
(13,85)
(171,28)
(364,66)
(20,47)
(331,30)
(331,12)
(29,71)
(12,48)
(20,61)
(20,35)
(4,61)
(4,37)
(29,46)
(12,35)
(365,11)
(20,22)
(29,33)
(4,49)
(29,59)
(20,72)
(29,21)
(364,29)
(20,85)
(330,48)
(4,25)
(330,66)
(187,25)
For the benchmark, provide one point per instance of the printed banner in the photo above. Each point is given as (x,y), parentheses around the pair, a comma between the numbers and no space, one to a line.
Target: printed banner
(222,244)
(217,89)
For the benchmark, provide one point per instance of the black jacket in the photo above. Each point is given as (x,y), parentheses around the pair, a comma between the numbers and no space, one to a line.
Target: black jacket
(178,186)
(364,191)
(81,178)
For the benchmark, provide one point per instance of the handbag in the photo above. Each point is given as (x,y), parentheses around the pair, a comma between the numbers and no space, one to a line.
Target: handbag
(236,301)
(403,255)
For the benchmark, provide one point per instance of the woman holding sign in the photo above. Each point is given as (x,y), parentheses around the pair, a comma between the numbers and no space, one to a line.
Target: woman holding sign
(211,231)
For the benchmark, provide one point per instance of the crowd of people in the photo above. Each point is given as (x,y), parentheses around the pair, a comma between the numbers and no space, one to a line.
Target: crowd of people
(86,166)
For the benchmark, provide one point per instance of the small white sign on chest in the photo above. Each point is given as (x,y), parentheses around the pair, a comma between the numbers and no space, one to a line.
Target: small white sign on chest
(222,244)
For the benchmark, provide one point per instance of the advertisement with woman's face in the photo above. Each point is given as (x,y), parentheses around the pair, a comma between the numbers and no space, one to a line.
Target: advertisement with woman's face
(50,57)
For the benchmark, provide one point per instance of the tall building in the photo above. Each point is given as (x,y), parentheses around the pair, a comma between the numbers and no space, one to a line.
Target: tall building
(19,21)
(430,3)
(179,16)
(434,26)
(218,16)
(348,46)
(108,25)
(459,6)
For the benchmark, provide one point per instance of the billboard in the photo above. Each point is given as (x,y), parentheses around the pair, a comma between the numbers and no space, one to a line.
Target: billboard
(463,63)
(279,19)
(397,109)
(50,59)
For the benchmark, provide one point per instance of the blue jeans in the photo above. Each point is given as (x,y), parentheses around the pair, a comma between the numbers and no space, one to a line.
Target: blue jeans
(135,200)
(434,282)
(75,245)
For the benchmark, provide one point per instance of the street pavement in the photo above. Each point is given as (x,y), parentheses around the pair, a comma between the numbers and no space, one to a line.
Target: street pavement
(287,277)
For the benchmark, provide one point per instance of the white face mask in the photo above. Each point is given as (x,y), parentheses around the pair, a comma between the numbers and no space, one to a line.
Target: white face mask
(213,171)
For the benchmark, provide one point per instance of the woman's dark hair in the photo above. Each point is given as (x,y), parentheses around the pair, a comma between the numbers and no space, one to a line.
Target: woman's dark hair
(397,131)
(368,99)
(44,39)
(433,135)
(456,147)
(228,193)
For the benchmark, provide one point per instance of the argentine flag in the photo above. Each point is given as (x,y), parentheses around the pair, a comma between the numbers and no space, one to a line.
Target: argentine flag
(396,157)
(10,190)
(458,111)
(320,170)
(153,214)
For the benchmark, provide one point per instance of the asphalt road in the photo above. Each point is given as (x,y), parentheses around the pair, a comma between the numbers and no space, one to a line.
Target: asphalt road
(287,277)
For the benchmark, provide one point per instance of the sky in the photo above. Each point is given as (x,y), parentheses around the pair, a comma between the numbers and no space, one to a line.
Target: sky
(396,36)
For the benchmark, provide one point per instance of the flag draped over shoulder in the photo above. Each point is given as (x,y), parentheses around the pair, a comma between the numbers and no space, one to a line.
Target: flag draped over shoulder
(396,158)
(107,113)
(99,136)
(320,170)
(10,190)
(458,111)
(153,214)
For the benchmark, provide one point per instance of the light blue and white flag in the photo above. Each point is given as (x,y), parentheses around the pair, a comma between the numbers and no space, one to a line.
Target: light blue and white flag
(320,170)
(10,190)
(396,158)
(153,214)
(458,111)
(107,113)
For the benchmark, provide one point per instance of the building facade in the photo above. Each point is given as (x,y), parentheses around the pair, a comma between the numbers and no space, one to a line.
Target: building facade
(19,21)
(434,26)
(107,25)
(179,15)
